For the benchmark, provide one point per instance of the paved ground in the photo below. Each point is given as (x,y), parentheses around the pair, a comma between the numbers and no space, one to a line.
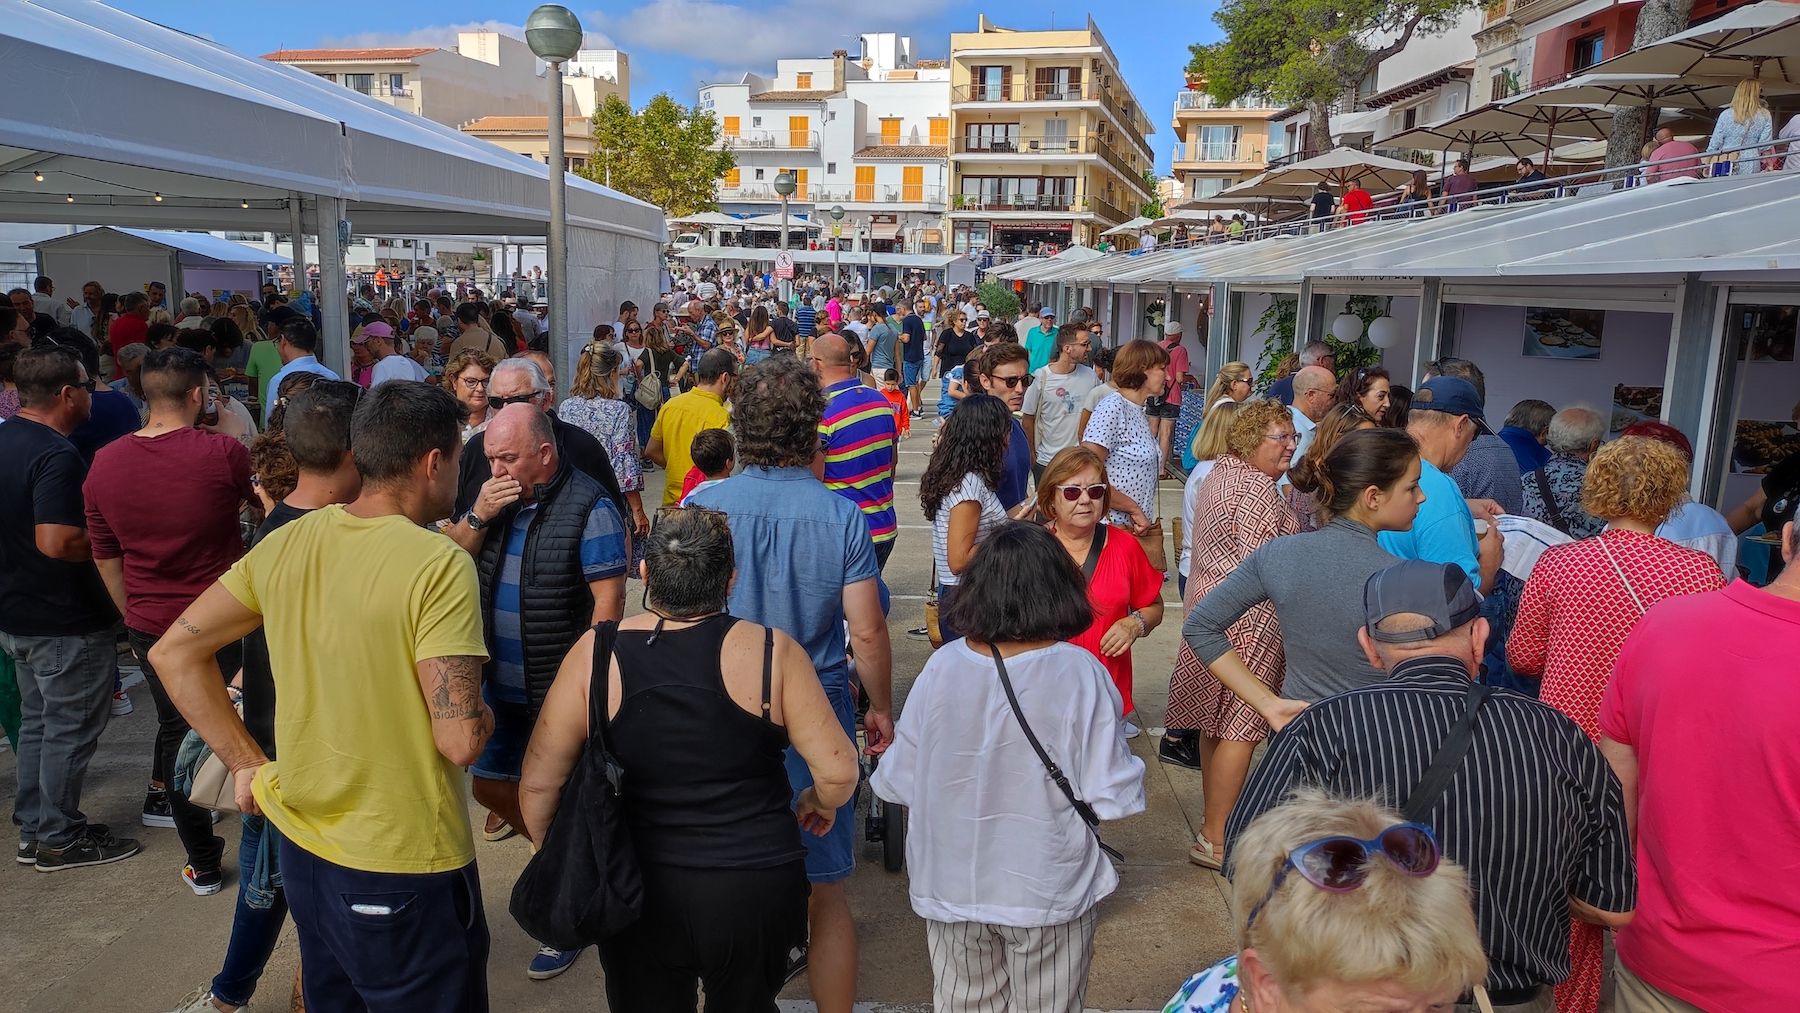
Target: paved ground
(131,938)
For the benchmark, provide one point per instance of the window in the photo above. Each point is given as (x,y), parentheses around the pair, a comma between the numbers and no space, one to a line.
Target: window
(1500,86)
(730,129)
(1219,144)
(1056,136)
(1409,117)
(890,130)
(1588,50)
(1206,186)
(733,176)
(912,182)
(799,129)
(330,77)
(396,84)
(756,121)
(940,131)
(991,137)
(830,168)
(1057,84)
(990,84)
(759,174)
(803,82)
(865,182)
(364,83)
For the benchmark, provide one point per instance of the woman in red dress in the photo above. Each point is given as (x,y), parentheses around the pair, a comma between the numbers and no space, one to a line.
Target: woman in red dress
(1123,588)
(1582,601)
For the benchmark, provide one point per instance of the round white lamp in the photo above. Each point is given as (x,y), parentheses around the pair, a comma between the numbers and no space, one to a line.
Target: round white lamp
(1384,332)
(1347,327)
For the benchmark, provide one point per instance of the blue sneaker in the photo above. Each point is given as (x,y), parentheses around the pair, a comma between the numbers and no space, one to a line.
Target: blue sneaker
(550,962)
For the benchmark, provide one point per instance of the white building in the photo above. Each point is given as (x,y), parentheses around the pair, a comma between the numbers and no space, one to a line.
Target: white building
(871,135)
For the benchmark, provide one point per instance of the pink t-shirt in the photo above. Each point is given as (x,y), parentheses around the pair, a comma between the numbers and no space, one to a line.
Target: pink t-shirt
(1674,149)
(1712,719)
(1178,365)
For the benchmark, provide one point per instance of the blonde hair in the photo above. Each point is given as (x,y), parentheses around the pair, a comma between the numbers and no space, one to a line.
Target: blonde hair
(240,314)
(1229,373)
(1635,477)
(158,315)
(1417,932)
(1747,101)
(1209,439)
(655,339)
(1248,425)
(593,377)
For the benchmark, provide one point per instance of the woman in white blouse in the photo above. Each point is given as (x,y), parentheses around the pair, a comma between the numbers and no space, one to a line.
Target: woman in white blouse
(1119,432)
(958,491)
(1002,868)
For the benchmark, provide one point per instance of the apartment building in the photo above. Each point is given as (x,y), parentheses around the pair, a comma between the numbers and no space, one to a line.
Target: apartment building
(869,134)
(1527,44)
(1221,143)
(487,73)
(530,136)
(1048,144)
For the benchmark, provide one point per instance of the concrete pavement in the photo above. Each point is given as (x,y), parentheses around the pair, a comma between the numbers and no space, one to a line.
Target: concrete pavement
(132,938)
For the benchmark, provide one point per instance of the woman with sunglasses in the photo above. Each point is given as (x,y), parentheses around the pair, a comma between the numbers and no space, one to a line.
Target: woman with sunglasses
(1232,381)
(1341,906)
(1002,868)
(466,377)
(959,491)
(1368,388)
(1123,589)
(1304,477)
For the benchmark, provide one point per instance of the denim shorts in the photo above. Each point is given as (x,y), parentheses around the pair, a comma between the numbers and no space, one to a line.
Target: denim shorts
(504,755)
(831,858)
(911,372)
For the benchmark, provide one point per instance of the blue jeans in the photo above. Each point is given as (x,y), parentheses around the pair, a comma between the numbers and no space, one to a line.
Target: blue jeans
(387,941)
(65,690)
(646,419)
(254,930)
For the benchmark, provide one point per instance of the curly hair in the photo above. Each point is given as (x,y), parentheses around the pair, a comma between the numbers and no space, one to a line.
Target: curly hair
(273,465)
(972,441)
(777,410)
(1357,382)
(1252,420)
(1635,477)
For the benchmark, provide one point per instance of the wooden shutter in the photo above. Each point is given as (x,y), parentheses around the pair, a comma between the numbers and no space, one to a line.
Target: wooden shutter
(890,130)
(940,131)
(798,128)
(912,182)
(865,182)
(731,127)
(799,184)
(732,176)
(803,81)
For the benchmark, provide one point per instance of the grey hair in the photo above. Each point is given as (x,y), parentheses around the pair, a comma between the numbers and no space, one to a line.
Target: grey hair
(1575,430)
(133,352)
(1314,353)
(540,384)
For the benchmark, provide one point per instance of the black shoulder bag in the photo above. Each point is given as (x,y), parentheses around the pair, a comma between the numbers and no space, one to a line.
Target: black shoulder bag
(1082,809)
(1091,563)
(1449,756)
(584,884)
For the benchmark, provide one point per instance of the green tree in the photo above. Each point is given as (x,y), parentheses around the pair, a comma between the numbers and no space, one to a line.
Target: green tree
(1152,208)
(1310,52)
(663,154)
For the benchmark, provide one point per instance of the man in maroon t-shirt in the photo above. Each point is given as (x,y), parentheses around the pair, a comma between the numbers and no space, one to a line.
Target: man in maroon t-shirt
(162,513)
(129,327)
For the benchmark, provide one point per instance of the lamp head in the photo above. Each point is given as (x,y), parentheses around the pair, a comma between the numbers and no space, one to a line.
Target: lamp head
(784,183)
(837,212)
(554,33)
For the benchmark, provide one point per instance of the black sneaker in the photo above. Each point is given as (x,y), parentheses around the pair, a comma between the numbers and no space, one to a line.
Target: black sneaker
(918,631)
(157,812)
(27,852)
(796,964)
(1181,750)
(96,847)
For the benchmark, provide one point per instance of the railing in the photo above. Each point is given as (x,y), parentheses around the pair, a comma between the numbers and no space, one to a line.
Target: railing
(1223,151)
(1107,209)
(1058,144)
(1200,100)
(829,194)
(914,137)
(1019,202)
(759,192)
(773,140)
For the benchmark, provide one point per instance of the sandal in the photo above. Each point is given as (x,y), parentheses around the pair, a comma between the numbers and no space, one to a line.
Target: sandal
(1203,855)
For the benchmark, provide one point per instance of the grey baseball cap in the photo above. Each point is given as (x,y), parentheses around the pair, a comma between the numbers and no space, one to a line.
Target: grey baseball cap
(1438,591)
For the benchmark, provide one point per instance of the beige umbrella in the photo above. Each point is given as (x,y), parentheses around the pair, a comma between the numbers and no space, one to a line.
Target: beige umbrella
(1666,91)
(1708,50)
(1518,128)
(1340,167)
(1128,228)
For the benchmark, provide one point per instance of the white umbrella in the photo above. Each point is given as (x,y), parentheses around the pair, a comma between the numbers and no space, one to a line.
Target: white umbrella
(1340,167)
(706,218)
(1518,127)
(1135,225)
(1667,91)
(1774,54)
(1705,50)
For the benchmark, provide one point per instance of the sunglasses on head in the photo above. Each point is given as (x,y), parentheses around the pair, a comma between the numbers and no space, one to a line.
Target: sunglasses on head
(1340,864)
(1071,493)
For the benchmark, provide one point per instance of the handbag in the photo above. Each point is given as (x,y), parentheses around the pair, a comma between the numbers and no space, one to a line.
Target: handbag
(208,781)
(649,393)
(584,883)
(1082,809)
(1152,542)
(933,629)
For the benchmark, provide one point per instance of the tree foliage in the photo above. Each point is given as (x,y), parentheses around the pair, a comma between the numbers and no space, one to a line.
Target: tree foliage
(662,154)
(998,298)
(1657,19)
(1152,208)
(1310,52)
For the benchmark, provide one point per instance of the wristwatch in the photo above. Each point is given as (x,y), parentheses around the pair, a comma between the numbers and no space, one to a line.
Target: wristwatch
(475,523)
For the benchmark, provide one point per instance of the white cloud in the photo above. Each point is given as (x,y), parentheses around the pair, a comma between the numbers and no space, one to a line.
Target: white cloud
(735,37)
(442,35)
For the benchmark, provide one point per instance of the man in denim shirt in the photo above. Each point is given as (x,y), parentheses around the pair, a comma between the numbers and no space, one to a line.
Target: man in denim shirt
(806,565)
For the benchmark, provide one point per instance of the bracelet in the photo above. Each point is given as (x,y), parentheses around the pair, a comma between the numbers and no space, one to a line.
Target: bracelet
(1143,627)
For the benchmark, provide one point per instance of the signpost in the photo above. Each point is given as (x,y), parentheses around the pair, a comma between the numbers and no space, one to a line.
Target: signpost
(784,266)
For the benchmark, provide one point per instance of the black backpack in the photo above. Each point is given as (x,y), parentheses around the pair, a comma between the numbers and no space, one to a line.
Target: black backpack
(584,884)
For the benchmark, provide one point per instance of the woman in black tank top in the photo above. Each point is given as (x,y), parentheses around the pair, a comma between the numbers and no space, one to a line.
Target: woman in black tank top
(704,709)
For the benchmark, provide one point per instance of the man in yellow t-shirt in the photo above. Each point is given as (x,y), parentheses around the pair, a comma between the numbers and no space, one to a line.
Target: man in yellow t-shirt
(685,415)
(375,645)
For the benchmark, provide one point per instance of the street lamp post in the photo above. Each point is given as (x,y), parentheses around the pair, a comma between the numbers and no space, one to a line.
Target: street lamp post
(784,186)
(554,34)
(837,216)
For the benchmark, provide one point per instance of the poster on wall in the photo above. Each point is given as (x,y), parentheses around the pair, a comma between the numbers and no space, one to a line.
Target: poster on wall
(1767,333)
(1632,405)
(1563,333)
(1761,444)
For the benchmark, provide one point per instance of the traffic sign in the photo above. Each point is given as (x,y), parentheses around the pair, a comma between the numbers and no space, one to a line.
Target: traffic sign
(784,265)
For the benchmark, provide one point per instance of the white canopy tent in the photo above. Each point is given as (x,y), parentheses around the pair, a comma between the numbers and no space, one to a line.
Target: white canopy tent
(1024,270)
(123,259)
(273,148)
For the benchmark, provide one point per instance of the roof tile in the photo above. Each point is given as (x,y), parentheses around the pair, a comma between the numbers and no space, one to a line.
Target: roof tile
(346,55)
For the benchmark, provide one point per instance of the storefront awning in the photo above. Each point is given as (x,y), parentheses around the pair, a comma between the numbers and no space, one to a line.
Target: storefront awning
(885,230)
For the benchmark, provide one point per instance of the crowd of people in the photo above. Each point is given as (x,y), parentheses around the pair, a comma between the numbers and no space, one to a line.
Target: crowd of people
(1462,644)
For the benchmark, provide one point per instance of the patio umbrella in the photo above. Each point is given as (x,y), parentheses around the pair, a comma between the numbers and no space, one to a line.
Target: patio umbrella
(1707,50)
(1665,91)
(1517,127)
(706,218)
(1127,228)
(1774,54)
(1340,167)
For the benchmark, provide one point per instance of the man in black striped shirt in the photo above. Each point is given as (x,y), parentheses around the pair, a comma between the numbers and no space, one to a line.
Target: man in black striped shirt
(1531,811)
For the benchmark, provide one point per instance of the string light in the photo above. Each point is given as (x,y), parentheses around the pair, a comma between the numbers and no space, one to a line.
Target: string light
(38,176)
(70,198)
(159,198)
(245,203)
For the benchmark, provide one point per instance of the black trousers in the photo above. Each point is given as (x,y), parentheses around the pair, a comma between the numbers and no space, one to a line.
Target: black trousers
(729,930)
(193,824)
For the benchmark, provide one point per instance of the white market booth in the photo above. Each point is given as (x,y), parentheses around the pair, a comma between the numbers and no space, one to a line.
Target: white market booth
(126,260)
(132,123)
(951,269)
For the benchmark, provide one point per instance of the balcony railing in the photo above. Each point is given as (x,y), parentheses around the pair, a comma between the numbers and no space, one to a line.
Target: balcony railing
(1107,209)
(914,137)
(820,193)
(1225,151)
(772,140)
(1204,100)
(1050,91)
(1056,144)
(1019,202)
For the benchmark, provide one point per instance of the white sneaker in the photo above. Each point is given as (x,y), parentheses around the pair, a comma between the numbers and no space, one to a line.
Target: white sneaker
(121,704)
(201,1001)
(1132,731)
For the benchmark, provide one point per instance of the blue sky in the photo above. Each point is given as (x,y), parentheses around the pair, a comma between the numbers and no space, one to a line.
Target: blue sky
(676,45)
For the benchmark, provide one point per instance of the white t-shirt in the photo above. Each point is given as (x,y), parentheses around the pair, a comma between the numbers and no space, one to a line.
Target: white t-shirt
(993,515)
(527,321)
(1097,395)
(1121,427)
(1056,400)
(395,367)
(1189,494)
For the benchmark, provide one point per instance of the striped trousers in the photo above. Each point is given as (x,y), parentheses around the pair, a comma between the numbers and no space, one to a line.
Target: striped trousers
(977,968)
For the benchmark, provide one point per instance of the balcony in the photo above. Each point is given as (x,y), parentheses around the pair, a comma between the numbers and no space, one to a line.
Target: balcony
(912,138)
(820,193)
(1020,202)
(1042,146)
(1203,101)
(1107,209)
(1230,152)
(770,140)
(1049,91)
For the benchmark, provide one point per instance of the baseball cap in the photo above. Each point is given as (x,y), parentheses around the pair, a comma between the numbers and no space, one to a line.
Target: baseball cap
(377,330)
(1438,591)
(1171,326)
(1048,311)
(983,315)
(1448,394)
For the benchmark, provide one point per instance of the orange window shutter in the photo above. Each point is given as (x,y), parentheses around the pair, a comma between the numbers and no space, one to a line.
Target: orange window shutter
(865,182)
(890,131)
(732,175)
(800,184)
(731,126)
(803,81)
(797,131)
(940,131)
(912,182)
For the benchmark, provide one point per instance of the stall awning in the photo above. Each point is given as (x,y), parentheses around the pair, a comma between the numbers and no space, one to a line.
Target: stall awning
(885,230)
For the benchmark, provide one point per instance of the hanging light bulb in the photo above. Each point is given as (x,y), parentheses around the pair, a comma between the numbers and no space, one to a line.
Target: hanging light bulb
(159,198)
(1347,327)
(70,198)
(38,176)
(245,203)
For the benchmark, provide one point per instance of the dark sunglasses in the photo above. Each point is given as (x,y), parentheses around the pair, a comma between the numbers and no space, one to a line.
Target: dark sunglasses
(87,384)
(1071,493)
(1013,381)
(1341,864)
(502,402)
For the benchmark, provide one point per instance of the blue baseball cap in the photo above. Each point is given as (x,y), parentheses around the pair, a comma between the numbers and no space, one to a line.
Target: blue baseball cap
(1048,311)
(1448,394)
(1441,592)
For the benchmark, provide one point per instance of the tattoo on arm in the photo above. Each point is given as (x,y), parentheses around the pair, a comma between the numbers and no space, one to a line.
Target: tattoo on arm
(455,688)
(189,627)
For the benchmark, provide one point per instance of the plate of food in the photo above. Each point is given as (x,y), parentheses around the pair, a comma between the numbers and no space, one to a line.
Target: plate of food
(1563,333)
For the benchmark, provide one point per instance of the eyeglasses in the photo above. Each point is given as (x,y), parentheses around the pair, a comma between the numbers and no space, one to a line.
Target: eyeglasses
(1341,864)
(1072,493)
(474,381)
(87,384)
(1013,381)
(1282,437)
(502,402)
